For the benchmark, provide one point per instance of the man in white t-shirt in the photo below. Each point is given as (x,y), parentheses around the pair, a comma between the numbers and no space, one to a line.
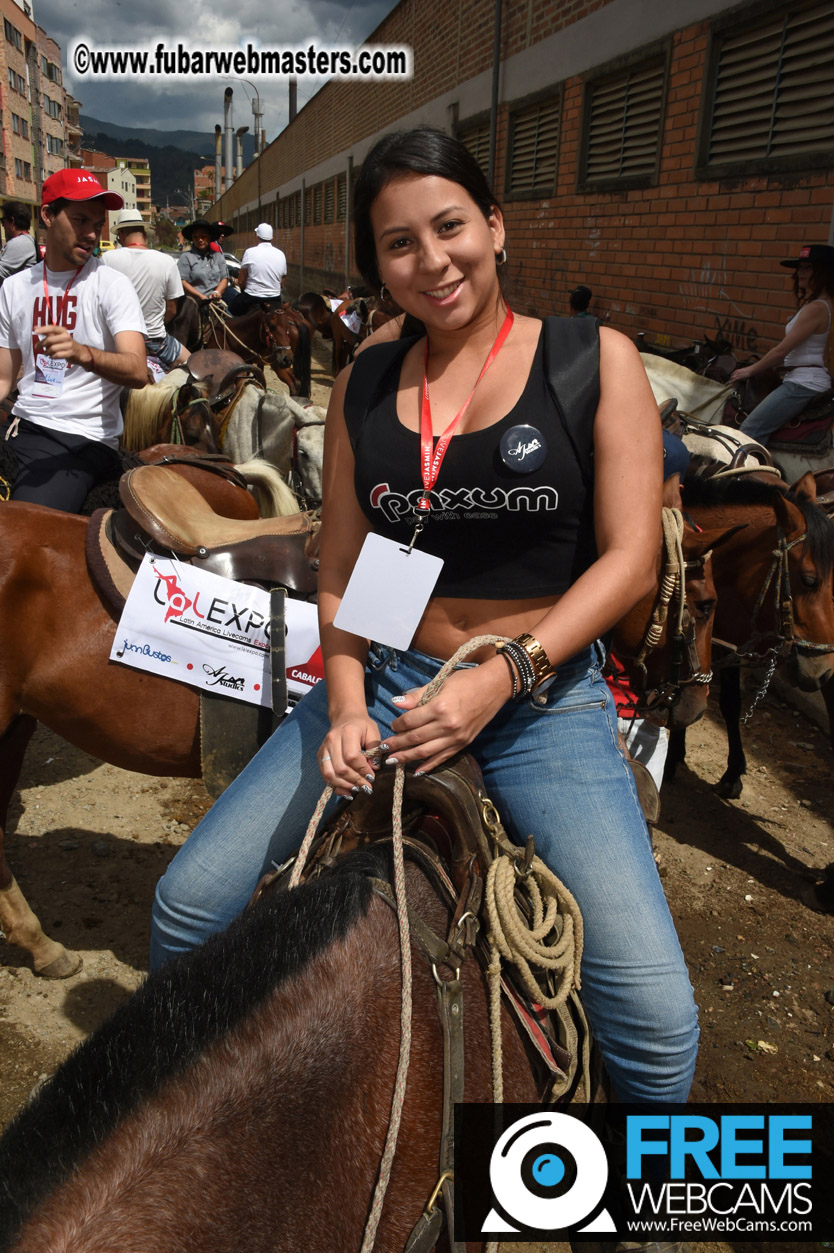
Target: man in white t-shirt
(76,330)
(158,285)
(262,271)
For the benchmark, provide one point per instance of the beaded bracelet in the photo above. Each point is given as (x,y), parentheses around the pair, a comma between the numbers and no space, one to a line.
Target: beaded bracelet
(512,670)
(530,660)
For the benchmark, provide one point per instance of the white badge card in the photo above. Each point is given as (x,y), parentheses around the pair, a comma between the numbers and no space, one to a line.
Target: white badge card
(49,376)
(388,592)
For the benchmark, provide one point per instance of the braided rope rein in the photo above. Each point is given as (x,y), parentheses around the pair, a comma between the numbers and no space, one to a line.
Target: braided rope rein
(510,937)
(671,581)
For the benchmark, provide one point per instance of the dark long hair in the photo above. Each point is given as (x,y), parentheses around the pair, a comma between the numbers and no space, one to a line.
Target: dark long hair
(822,280)
(423,150)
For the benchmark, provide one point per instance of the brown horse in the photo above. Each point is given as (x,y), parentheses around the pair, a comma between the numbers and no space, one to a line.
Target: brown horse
(54,667)
(774,583)
(262,1065)
(267,336)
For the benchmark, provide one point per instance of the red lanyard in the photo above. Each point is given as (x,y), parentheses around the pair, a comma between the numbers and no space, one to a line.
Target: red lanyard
(61,307)
(431,458)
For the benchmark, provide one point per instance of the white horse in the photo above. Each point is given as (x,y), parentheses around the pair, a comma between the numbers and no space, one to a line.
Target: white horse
(700,399)
(263,424)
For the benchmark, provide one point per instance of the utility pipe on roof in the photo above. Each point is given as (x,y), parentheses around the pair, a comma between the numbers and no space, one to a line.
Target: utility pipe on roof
(229,156)
(218,161)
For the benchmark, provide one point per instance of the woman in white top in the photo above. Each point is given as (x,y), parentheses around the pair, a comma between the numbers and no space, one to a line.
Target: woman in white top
(802,351)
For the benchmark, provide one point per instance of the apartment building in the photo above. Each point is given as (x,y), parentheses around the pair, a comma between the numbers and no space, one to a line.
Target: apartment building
(33,105)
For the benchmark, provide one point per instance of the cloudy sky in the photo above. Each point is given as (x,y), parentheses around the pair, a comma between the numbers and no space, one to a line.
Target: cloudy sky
(170,104)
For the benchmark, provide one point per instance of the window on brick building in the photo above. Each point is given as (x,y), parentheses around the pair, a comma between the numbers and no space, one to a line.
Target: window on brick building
(476,139)
(12,34)
(20,126)
(16,82)
(329,199)
(54,145)
(23,169)
(622,126)
(769,100)
(341,198)
(533,150)
(308,205)
(318,202)
(52,107)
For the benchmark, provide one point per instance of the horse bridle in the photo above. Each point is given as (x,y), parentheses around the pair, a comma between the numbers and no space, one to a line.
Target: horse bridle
(269,337)
(778,576)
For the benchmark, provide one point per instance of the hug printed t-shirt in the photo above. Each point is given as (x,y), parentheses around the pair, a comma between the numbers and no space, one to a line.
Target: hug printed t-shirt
(94,304)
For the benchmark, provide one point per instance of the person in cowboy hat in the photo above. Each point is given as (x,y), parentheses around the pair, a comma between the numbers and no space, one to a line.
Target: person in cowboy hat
(222,232)
(75,329)
(802,351)
(156,278)
(203,272)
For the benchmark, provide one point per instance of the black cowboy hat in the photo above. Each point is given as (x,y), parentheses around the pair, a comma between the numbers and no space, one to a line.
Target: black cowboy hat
(210,227)
(814,254)
(223,229)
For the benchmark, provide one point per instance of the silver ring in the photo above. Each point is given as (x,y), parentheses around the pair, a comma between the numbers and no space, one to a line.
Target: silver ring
(325,758)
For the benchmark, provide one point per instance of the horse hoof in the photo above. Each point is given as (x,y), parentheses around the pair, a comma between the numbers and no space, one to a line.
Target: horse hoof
(730,789)
(62,967)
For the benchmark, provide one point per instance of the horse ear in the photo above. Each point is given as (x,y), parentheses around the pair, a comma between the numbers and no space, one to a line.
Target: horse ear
(697,543)
(788,515)
(807,485)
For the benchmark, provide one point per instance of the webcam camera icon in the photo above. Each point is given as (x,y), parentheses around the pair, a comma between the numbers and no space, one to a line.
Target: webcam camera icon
(548,1172)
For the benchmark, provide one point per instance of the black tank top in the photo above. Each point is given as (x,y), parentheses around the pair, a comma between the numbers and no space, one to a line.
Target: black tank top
(502,535)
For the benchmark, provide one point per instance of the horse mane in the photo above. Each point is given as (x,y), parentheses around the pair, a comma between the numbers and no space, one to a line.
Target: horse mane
(166,1025)
(703,487)
(143,411)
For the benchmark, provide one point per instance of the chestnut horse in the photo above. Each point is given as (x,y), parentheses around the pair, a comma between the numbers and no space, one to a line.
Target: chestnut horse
(261,1068)
(273,336)
(55,640)
(774,582)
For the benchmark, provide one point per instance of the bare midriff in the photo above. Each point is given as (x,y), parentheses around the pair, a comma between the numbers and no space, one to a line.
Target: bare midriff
(450,622)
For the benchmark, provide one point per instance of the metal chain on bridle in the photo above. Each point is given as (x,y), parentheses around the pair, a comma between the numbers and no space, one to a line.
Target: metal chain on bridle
(786,640)
(555,918)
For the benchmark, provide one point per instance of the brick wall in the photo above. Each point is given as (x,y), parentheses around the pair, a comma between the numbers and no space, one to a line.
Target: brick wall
(682,257)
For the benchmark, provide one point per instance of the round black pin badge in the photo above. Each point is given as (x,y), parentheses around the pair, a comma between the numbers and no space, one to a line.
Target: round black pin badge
(523,449)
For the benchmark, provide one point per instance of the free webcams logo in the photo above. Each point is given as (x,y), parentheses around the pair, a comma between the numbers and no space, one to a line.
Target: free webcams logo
(646,1173)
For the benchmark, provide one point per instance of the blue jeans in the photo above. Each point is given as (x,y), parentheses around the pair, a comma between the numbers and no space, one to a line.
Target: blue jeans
(552,767)
(777,408)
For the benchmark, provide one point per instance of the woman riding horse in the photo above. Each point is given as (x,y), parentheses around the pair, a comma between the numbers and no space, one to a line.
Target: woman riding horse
(522,515)
(803,350)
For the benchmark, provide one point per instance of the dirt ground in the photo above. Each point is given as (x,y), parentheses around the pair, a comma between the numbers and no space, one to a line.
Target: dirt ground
(88,842)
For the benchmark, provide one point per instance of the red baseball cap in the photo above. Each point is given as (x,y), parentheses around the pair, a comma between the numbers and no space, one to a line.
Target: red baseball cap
(78,185)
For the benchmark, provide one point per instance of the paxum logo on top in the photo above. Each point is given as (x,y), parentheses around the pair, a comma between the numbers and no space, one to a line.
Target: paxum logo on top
(733,1146)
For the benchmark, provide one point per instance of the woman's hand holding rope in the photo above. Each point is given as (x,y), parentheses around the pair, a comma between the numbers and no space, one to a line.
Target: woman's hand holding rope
(349,755)
(429,734)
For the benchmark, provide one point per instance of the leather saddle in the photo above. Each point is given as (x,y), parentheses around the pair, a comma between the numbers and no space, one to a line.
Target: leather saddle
(217,374)
(164,513)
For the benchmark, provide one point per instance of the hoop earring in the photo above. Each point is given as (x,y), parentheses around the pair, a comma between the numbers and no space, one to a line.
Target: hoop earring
(384,293)
(501,257)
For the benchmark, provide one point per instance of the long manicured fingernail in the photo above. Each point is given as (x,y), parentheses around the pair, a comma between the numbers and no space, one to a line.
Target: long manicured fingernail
(397,700)
(369,791)
(370,777)
(354,789)
(392,761)
(418,774)
(383,748)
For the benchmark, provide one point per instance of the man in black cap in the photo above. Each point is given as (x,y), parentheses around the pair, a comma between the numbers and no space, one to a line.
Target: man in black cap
(203,272)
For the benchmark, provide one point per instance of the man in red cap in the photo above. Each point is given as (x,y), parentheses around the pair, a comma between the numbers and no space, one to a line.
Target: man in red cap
(73,330)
